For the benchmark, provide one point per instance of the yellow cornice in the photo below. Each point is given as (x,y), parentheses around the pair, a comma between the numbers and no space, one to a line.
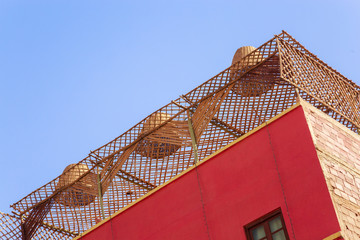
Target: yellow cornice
(333,236)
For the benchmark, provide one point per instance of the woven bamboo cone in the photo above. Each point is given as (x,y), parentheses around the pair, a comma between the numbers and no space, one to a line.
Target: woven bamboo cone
(248,57)
(76,195)
(161,143)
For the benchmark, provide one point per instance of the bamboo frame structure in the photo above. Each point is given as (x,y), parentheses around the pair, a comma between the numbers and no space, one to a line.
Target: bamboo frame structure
(132,165)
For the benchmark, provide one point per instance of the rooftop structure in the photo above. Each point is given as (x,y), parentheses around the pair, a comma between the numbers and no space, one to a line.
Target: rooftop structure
(255,88)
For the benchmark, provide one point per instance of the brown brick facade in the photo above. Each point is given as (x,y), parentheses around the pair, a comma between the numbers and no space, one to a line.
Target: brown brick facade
(338,149)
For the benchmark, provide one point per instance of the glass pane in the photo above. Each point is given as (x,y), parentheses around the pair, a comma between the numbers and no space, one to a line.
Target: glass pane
(279,235)
(275,224)
(258,233)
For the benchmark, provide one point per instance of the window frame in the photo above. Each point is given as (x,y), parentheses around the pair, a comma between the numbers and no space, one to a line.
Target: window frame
(264,220)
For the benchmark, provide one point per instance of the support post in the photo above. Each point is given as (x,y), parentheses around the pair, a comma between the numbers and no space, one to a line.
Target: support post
(193,139)
(100,196)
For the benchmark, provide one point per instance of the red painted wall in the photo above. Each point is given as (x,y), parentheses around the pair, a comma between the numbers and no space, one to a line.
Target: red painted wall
(239,185)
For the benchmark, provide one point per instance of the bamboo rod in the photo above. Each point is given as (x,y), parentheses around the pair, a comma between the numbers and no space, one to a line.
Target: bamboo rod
(100,196)
(193,140)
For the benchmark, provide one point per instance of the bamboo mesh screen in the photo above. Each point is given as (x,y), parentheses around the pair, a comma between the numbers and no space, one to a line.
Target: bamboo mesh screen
(10,228)
(145,157)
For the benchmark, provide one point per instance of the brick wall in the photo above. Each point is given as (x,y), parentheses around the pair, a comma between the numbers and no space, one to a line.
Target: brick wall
(338,149)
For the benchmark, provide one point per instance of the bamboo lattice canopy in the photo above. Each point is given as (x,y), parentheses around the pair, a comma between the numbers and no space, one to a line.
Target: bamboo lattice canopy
(256,85)
(260,84)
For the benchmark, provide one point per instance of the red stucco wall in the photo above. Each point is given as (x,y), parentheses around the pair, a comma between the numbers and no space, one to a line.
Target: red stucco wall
(239,185)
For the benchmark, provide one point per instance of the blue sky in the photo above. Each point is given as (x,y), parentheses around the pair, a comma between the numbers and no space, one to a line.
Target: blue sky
(76,74)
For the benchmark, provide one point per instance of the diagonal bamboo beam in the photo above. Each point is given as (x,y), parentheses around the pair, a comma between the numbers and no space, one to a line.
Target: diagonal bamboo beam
(135,180)
(108,174)
(217,122)
(131,178)
(60,230)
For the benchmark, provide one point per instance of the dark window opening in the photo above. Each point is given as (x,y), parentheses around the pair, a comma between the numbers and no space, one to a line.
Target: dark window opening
(269,227)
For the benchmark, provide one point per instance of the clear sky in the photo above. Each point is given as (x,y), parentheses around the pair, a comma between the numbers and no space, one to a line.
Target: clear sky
(76,74)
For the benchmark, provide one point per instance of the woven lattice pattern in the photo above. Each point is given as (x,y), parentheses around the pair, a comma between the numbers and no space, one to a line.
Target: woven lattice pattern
(230,104)
(10,229)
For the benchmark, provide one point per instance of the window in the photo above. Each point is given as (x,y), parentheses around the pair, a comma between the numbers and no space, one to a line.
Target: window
(269,227)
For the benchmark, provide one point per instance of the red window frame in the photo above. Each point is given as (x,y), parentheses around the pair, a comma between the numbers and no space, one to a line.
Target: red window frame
(264,220)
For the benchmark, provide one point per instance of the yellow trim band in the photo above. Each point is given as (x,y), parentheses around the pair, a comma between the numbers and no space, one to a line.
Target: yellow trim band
(191,168)
(333,236)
